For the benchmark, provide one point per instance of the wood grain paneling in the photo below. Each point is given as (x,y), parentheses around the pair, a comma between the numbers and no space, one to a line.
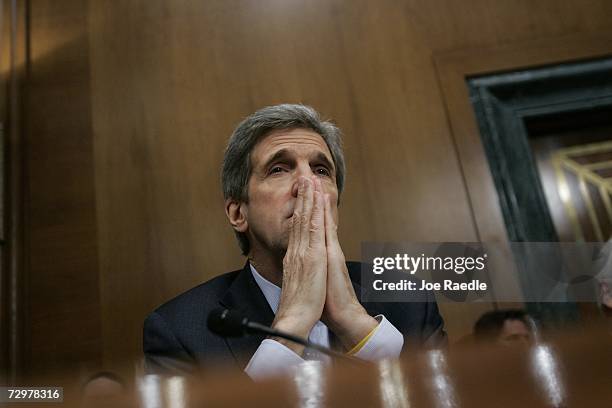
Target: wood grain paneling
(60,220)
(165,84)
(13,342)
(189,72)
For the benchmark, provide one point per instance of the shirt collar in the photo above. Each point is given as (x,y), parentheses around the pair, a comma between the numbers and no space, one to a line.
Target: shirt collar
(270,291)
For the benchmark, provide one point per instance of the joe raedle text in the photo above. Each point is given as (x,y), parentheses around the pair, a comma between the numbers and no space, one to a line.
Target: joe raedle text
(446,285)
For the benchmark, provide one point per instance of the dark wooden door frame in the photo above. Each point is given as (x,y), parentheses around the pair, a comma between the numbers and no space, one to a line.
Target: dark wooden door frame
(502,103)
(453,69)
(13,313)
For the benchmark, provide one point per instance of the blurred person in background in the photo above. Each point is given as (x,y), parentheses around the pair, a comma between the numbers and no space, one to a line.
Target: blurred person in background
(603,268)
(508,328)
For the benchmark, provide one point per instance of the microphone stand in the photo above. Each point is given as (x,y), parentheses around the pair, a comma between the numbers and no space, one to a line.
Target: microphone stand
(254,327)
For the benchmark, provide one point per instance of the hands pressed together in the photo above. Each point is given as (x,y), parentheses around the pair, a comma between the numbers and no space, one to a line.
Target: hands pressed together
(316,284)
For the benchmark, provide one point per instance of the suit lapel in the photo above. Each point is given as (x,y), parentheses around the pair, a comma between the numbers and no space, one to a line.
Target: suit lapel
(245,296)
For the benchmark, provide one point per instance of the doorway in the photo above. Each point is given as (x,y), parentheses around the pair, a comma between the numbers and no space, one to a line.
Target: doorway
(547,135)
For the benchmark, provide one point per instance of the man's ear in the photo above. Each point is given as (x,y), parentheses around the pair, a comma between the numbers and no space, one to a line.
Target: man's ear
(236,212)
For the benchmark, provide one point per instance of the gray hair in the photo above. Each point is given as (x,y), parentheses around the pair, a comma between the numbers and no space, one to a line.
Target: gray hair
(237,159)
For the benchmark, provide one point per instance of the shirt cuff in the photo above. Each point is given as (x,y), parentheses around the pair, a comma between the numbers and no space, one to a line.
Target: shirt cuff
(386,342)
(272,359)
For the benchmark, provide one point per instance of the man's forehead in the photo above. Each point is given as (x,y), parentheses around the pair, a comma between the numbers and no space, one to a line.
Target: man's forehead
(290,140)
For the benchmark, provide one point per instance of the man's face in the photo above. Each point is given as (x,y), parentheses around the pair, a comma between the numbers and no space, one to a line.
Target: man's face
(278,160)
(514,333)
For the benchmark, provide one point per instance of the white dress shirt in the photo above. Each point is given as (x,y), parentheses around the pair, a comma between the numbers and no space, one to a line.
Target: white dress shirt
(273,358)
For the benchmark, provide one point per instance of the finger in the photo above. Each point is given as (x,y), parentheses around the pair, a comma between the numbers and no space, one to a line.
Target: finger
(294,238)
(331,231)
(316,182)
(306,213)
(317,221)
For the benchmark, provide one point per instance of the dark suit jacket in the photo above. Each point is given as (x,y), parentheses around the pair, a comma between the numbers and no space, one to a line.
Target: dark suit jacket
(176,338)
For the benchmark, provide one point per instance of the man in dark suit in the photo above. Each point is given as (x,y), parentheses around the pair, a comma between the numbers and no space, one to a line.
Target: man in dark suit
(282,177)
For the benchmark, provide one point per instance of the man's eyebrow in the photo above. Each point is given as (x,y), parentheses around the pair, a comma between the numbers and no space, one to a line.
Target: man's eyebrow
(279,155)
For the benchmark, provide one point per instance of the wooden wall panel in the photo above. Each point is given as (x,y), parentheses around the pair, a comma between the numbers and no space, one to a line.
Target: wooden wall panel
(169,82)
(64,325)
(160,86)
(13,344)
(163,125)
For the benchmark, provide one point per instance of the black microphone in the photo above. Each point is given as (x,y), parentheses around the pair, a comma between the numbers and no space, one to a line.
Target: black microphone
(229,323)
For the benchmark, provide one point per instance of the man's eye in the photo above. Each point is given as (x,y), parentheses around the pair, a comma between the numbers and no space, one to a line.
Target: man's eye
(276,169)
(322,171)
